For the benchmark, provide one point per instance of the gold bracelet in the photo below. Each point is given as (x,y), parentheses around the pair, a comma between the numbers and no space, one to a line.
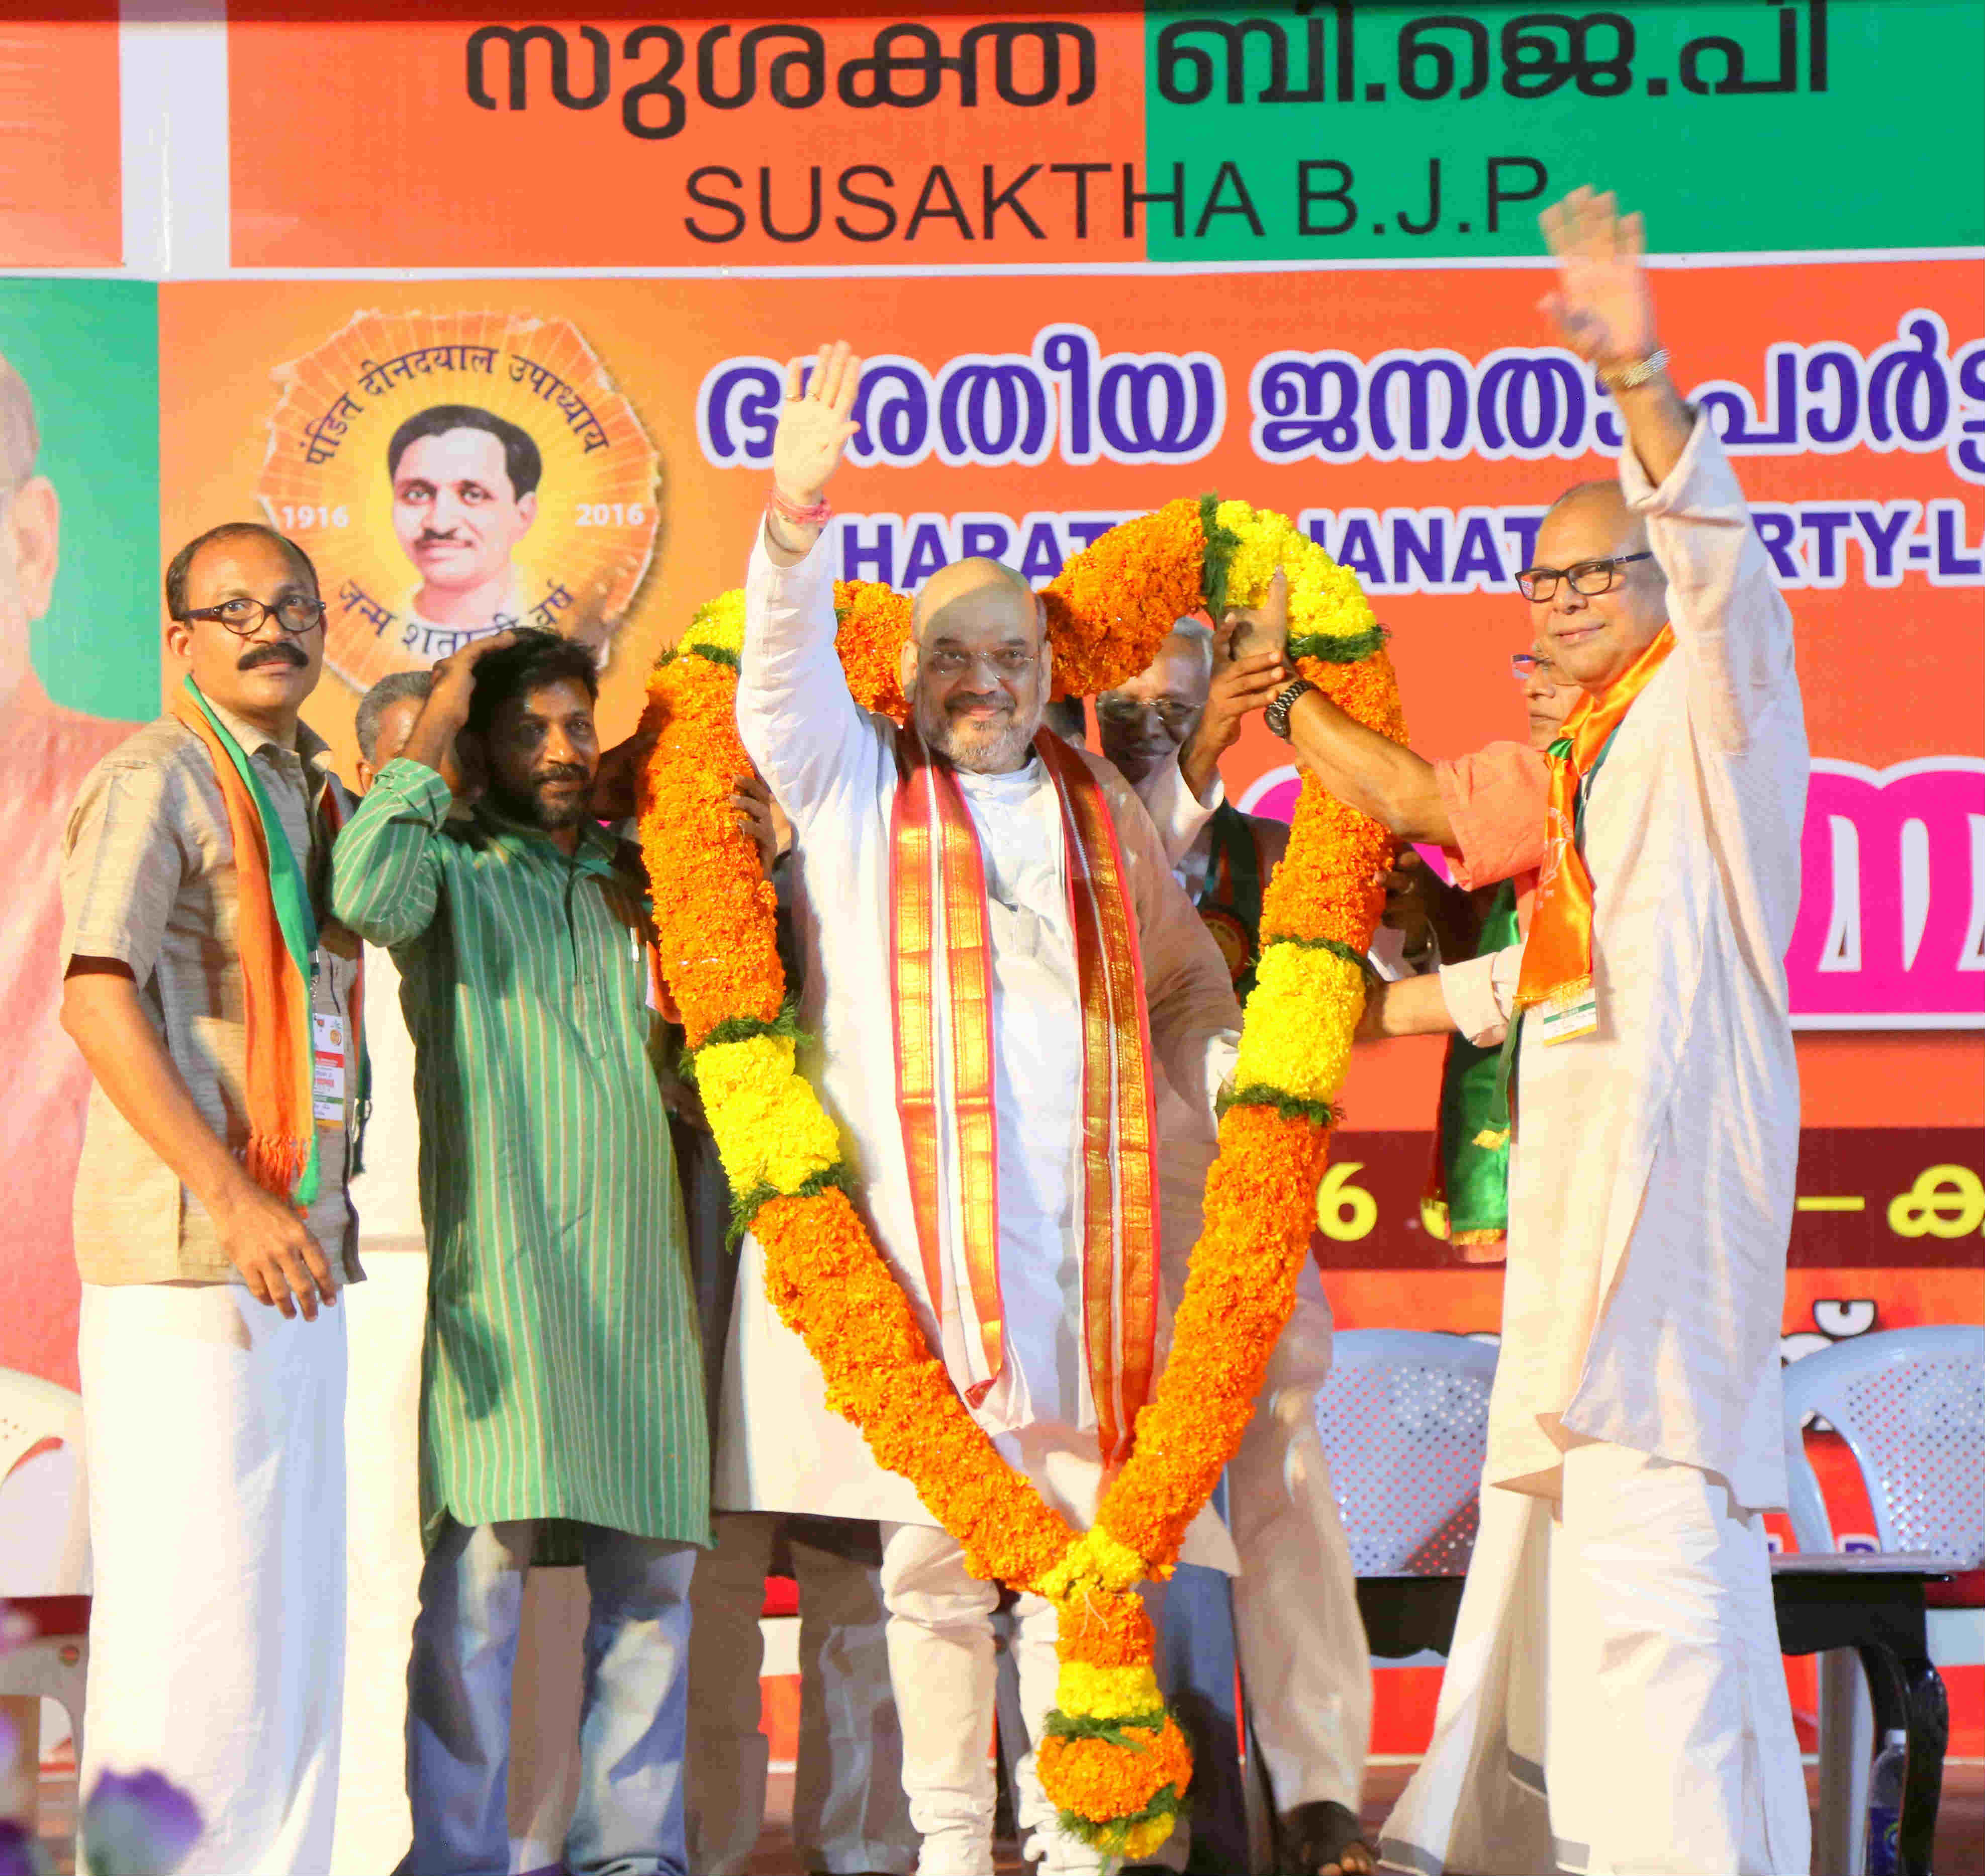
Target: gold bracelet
(1617,378)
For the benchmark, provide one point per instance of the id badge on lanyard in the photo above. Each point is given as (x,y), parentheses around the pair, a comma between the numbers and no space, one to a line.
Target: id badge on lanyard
(331,1061)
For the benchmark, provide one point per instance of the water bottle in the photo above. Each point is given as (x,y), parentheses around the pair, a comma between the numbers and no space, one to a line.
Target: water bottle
(1884,1804)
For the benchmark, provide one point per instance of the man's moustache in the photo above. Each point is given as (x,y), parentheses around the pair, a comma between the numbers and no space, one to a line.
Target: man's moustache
(271,654)
(429,539)
(567,772)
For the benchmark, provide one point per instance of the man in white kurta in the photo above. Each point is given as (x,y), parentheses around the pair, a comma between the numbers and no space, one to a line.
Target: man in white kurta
(1614,1701)
(1297,1630)
(978,675)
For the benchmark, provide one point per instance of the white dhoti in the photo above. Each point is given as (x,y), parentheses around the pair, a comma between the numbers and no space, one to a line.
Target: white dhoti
(216,1513)
(1304,1663)
(940,1658)
(1644,1728)
(849,1812)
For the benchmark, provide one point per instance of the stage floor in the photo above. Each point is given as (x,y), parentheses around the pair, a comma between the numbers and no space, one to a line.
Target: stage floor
(1960,1832)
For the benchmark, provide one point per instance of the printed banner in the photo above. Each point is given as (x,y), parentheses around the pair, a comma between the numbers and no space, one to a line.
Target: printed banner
(1311,131)
(79,669)
(61,137)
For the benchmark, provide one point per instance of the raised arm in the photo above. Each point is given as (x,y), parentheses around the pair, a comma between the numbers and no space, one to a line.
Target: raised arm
(1732,625)
(799,724)
(386,868)
(1364,770)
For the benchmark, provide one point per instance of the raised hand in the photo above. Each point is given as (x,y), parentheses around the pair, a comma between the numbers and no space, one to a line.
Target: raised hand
(814,425)
(1253,629)
(1240,686)
(1602,306)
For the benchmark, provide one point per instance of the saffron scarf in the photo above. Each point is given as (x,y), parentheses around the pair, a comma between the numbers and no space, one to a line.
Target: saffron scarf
(277,933)
(942,978)
(1557,955)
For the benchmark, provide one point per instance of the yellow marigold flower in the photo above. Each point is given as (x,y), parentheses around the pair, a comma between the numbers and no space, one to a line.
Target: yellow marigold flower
(1300,1020)
(1141,1839)
(1083,1692)
(771,1128)
(720,623)
(1324,597)
(1096,1560)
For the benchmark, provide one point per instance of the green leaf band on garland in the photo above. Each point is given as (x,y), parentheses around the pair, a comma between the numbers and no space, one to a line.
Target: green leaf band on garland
(742,1029)
(1111,1839)
(1059,1725)
(1290,1106)
(716,654)
(1328,650)
(1222,544)
(1336,947)
(745,1209)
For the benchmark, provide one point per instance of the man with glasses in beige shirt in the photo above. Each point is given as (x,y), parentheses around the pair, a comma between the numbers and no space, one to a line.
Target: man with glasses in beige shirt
(213,1230)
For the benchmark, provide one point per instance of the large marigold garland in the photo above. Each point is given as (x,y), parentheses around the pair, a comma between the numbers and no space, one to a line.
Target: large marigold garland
(1114,1761)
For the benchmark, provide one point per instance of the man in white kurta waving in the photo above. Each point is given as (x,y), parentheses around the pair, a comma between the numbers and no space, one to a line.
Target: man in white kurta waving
(996,952)
(1637,1402)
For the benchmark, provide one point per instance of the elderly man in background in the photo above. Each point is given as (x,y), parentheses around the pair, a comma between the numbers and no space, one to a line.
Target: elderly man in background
(562,1411)
(217,1004)
(1003,1305)
(1621,1615)
(1299,1637)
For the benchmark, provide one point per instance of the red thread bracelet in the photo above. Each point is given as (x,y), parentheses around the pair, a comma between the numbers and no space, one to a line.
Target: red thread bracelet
(813,517)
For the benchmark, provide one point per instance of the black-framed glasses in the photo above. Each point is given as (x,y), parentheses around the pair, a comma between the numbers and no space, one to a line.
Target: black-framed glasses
(1169,711)
(1589,577)
(296,613)
(1526,665)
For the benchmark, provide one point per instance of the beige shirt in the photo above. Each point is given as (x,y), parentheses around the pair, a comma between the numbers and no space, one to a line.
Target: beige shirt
(148,878)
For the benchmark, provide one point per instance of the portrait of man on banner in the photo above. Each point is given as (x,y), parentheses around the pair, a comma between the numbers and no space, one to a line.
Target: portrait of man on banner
(519,485)
(465,493)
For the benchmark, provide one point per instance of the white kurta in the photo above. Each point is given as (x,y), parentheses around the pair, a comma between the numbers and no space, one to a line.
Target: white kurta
(833,767)
(1651,1177)
(1651,1196)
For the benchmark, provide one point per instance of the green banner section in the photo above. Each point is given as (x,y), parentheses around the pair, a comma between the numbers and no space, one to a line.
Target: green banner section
(1335,130)
(86,355)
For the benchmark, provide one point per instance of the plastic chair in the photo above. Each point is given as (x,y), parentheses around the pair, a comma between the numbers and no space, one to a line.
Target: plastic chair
(1404,1420)
(51,1661)
(1910,1406)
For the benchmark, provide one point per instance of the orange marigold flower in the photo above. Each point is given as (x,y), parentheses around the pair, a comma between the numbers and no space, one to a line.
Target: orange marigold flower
(1101,1780)
(874,623)
(1105,1629)
(713,909)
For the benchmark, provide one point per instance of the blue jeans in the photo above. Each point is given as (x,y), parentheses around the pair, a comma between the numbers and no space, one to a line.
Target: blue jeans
(628,1820)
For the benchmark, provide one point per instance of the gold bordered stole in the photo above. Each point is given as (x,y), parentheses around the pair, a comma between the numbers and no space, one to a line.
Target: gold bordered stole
(942,965)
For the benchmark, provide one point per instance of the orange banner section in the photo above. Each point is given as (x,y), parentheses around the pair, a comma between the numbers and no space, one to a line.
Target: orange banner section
(865,140)
(996,355)
(60,201)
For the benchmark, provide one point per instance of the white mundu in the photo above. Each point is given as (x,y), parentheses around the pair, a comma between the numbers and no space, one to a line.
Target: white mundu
(1304,1660)
(834,769)
(1634,1427)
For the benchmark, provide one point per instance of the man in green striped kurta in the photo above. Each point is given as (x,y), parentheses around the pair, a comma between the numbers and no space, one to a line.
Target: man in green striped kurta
(562,1396)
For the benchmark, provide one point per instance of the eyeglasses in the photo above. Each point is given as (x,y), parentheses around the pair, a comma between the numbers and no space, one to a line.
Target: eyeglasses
(1127,710)
(1589,577)
(1525,665)
(295,612)
(1010,662)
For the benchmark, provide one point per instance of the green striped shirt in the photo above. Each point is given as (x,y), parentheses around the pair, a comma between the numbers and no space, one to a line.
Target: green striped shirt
(562,1377)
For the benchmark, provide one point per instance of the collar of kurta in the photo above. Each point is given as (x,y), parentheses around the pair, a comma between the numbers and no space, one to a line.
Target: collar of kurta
(595,852)
(941,962)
